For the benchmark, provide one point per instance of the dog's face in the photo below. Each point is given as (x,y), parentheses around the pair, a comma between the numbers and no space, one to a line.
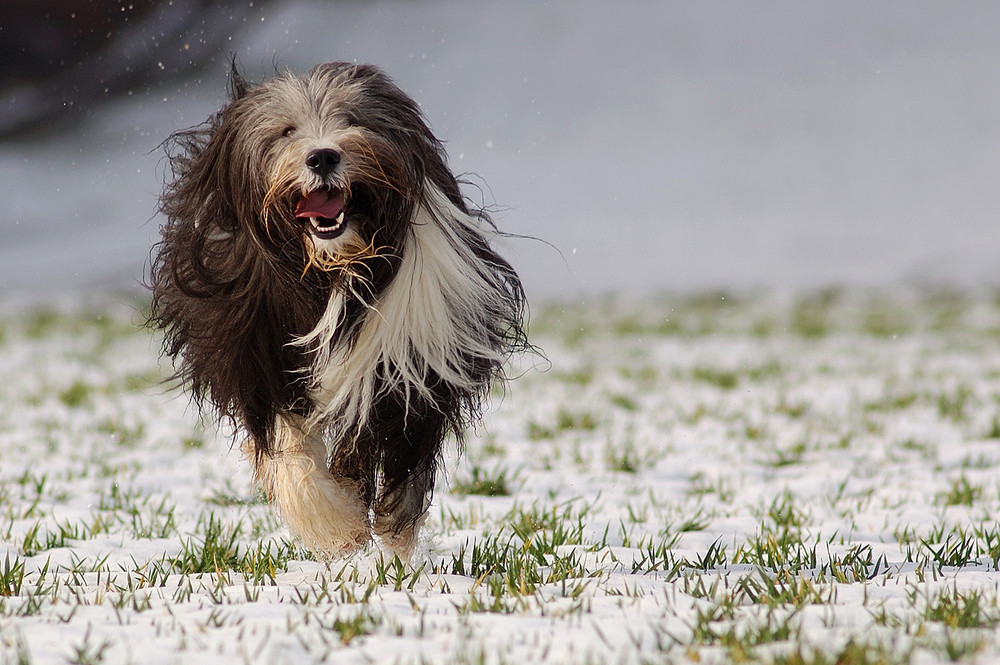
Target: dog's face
(335,158)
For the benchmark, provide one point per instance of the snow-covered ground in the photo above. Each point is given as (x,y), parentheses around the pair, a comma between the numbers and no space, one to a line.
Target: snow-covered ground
(654,144)
(704,479)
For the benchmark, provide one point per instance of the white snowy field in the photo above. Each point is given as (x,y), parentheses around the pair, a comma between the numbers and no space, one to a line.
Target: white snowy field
(686,479)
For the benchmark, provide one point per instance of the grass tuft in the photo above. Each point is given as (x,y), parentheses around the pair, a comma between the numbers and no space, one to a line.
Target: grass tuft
(483,483)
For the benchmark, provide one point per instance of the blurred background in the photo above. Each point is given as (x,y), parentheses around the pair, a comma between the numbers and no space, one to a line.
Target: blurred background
(649,145)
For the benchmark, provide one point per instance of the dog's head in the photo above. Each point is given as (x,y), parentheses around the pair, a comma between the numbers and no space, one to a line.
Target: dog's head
(329,164)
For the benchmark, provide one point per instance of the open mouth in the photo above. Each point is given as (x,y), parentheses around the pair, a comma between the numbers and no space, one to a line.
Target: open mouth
(324,210)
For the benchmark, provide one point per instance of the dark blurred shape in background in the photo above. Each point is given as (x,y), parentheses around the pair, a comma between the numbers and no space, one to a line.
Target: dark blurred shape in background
(63,58)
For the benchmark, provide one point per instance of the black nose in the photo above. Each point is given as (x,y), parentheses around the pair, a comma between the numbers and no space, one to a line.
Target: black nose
(323,162)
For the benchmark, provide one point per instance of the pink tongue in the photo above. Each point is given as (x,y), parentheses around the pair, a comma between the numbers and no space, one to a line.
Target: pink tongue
(320,203)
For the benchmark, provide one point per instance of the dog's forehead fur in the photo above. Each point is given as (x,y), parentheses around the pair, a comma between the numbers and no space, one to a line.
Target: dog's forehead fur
(291,101)
(330,97)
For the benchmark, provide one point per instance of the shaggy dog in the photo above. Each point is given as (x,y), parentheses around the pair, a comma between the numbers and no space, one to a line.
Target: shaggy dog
(323,284)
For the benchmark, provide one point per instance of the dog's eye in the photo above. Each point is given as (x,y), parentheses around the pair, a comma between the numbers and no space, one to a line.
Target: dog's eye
(288,131)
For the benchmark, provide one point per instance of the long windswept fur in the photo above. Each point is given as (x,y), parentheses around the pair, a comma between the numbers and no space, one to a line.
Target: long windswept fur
(347,349)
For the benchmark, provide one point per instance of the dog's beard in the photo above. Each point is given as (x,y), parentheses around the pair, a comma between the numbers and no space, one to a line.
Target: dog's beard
(331,224)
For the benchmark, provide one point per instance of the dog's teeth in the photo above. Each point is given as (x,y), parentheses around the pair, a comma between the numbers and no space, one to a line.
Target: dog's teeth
(340,218)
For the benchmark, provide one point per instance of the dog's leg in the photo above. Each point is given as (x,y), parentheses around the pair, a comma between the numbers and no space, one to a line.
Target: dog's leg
(401,510)
(409,466)
(357,463)
(327,514)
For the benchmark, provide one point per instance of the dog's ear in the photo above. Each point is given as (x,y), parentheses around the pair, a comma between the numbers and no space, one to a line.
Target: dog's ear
(238,85)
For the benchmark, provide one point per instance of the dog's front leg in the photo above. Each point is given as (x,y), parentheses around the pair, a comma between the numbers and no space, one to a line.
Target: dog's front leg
(327,514)
(401,510)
